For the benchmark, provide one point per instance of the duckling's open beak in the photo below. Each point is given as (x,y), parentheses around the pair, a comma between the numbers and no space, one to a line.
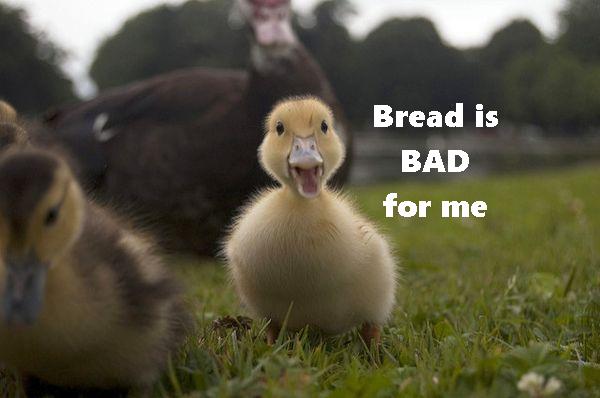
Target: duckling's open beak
(306,166)
(24,290)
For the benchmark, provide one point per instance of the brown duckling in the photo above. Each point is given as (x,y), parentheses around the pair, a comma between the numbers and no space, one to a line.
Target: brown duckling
(303,246)
(85,303)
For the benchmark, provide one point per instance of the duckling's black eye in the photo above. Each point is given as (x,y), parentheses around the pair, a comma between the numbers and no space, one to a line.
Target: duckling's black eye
(51,216)
(324,127)
(280,128)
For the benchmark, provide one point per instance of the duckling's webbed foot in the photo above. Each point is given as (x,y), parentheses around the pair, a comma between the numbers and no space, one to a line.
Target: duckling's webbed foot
(273,332)
(370,333)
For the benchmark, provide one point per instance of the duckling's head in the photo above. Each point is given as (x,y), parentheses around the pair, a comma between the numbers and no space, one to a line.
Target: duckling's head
(301,148)
(41,213)
(7,112)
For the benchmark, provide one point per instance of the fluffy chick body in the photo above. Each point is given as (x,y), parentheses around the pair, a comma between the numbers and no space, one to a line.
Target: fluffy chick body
(319,256)
(312,251)
(111,312)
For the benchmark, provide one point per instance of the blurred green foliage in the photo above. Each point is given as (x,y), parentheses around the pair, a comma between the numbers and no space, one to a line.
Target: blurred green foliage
(554,89)
(336,54)
(30,76)
(167,38)
(516,39)
(581,29)
(402,62)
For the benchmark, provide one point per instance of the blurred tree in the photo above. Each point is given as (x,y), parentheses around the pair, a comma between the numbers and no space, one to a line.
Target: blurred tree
(167,38)
(508,43)
(196,33)
(518,37)
(30,76)
(552,89)
(325,35)
(405,64)
(581,29)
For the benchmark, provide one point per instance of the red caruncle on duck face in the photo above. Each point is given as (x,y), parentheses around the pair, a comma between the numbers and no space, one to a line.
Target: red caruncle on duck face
(270,21)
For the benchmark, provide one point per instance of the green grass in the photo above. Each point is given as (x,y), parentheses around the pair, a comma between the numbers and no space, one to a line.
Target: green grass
(483,301)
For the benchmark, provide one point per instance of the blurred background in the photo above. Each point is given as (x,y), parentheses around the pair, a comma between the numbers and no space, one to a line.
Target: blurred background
(536,62)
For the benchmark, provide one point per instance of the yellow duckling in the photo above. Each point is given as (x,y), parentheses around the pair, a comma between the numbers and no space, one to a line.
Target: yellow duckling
(304,247)
(84,302)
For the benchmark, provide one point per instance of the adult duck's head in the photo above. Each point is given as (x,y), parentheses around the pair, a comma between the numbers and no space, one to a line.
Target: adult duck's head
(301,148)
(270,21)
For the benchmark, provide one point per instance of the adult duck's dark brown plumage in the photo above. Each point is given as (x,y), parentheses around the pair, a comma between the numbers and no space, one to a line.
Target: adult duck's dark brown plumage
(180,149)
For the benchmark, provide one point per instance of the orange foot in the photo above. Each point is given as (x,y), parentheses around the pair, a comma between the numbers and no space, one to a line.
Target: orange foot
(272,332)
(370,332)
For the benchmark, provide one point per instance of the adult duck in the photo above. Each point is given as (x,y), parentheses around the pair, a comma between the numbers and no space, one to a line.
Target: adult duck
(179,149)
